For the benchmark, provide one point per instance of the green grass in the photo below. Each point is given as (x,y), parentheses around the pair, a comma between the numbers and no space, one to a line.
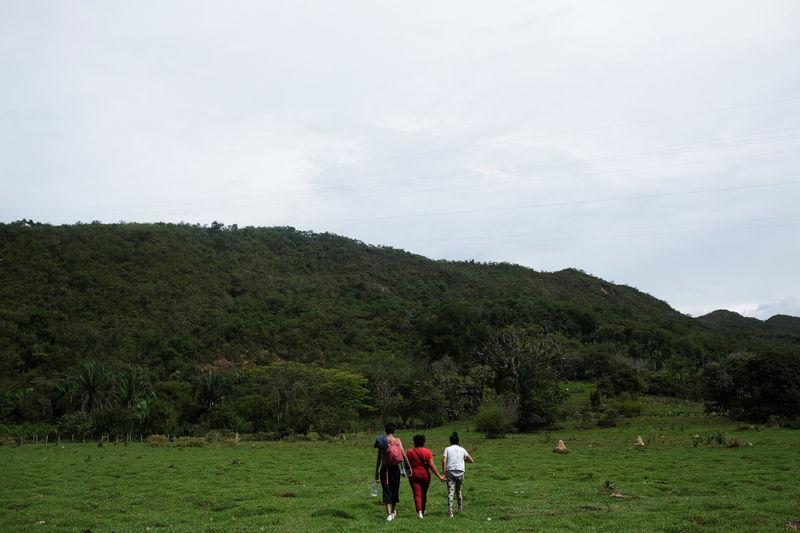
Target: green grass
(606,483)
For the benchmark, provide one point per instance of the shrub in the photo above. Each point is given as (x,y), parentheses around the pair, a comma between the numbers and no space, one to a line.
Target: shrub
(717,437)
(608,486)
(609,419)
(215,436)
(495,418)
(260,436)
(158,441)
(78,423)
(629,408)
(190,442)
(622,379)
(595,399)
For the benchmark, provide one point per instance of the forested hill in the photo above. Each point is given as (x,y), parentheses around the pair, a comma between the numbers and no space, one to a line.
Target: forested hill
(174,297)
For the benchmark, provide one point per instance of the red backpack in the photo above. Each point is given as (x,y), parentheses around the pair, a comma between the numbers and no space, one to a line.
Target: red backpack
(393,454)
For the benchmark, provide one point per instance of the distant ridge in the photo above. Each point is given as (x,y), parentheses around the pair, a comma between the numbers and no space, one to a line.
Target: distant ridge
(723,317)
(785,321)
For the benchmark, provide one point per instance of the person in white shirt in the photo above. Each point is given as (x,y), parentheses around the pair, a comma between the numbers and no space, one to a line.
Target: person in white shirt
(453,467)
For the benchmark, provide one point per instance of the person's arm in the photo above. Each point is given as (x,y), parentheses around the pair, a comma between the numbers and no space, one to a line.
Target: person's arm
(444,464)
(405,458)
(378,465)
(433,467)
(467,457)
(409,470)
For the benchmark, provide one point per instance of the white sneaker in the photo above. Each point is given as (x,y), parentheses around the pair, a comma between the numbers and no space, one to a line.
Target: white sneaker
(450,513)
(390,517)
(419,514)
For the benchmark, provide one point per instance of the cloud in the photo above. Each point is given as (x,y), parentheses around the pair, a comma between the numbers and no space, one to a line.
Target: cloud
(642,142)
(788,306)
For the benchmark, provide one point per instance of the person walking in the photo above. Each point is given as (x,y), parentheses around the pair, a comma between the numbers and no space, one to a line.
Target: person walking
(421,460)
(453,463)
(387,468)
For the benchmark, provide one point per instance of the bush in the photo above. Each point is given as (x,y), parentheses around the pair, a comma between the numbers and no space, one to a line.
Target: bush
(158,441)
(78,423)
(628,408)
(622,379)
(260,436)
(768,385)
(609,419)
(9,441)
(190,442)
(495,418)
(216,436)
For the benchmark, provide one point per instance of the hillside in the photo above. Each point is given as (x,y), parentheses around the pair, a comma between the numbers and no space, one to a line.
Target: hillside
(175,295)
(176,300)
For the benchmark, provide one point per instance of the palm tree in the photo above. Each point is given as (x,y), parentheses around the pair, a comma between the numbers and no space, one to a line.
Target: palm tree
(132,384)
(210,389)
(93,385)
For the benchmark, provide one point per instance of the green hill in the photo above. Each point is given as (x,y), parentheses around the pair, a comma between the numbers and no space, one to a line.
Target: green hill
(184,298)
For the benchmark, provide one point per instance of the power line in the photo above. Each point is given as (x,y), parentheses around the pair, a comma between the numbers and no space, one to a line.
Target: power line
(505,139)
(559,204)
(763,222)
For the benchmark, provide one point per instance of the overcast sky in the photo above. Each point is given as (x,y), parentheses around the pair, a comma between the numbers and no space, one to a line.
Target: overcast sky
(651,143)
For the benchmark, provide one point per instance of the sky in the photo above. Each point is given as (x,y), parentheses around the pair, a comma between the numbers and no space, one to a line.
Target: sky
(652,144)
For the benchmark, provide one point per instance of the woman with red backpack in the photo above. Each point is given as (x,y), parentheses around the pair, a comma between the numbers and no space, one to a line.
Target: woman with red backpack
(421,460)
(387,468)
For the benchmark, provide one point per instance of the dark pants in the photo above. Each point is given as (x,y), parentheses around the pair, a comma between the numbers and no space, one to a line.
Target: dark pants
(390,483)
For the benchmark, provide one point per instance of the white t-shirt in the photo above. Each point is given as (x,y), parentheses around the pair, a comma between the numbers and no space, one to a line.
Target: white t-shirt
(455,458)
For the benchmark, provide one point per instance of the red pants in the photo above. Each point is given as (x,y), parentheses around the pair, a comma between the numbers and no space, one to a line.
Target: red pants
(420,482)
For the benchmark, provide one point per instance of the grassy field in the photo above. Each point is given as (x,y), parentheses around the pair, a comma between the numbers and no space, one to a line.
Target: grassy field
(695,473)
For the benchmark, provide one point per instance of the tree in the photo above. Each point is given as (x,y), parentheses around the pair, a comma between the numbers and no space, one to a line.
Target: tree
(93,386)
(455,330)
(210,389)
(716,387)
(156,416)
(77,423)
(429,403)
(525,373)
(385,396)
(768,386)
(496,417)
(310,397)
(132,384)
(31,406)
(622,379)
(114,420)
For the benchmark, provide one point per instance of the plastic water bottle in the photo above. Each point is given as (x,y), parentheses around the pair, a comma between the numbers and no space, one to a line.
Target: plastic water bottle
(374,491)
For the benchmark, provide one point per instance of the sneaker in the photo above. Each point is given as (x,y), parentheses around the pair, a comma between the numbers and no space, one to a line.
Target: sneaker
(390,517)
(419,514)
(450,513)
